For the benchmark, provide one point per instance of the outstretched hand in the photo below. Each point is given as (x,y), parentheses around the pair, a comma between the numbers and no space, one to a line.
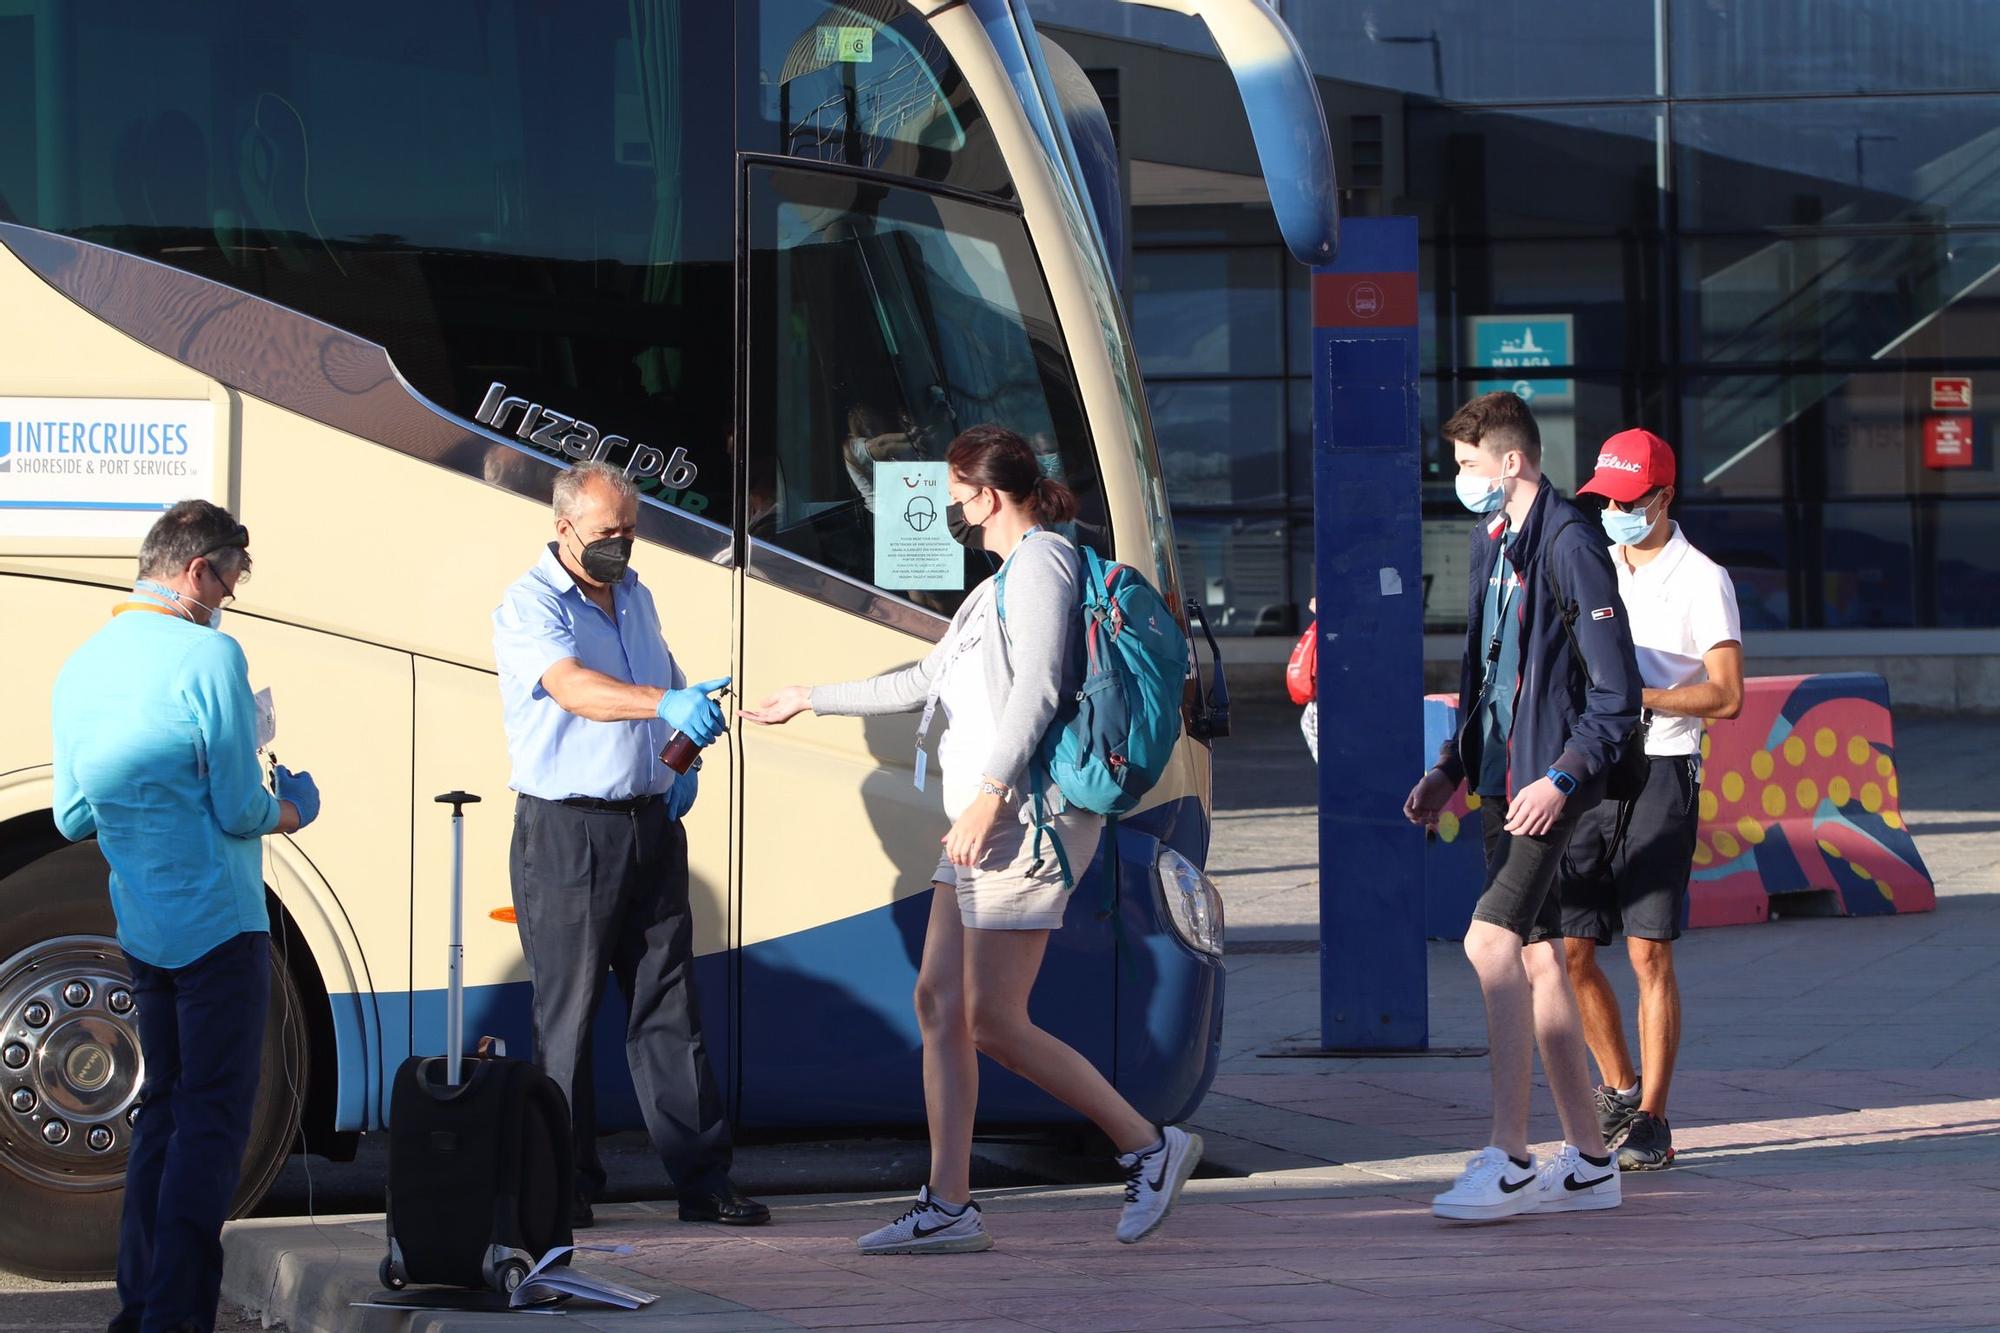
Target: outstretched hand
(781,707)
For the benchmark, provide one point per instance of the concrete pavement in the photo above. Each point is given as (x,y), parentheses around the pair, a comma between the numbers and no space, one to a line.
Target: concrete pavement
(1836,1113)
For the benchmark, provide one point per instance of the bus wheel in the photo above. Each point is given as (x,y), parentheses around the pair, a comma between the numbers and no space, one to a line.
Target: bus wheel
(71,1068)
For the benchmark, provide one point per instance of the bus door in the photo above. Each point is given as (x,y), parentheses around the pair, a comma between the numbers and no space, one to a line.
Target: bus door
(882,320)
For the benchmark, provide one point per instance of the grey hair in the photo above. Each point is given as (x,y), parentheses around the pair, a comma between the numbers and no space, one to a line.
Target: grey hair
(190,529)
(570,486)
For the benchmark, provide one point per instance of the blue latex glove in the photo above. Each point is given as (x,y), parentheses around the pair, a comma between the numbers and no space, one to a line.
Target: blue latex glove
(680,798)
(300,790)
(692,713)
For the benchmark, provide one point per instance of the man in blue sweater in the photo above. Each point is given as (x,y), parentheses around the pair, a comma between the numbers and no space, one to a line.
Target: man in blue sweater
(156,753)
(1538,731)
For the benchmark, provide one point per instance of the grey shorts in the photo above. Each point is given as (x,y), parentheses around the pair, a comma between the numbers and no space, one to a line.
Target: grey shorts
(1634,878)
(1521,874)
(1011,888)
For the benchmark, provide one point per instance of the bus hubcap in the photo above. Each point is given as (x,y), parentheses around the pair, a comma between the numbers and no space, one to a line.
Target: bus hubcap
(69,1062)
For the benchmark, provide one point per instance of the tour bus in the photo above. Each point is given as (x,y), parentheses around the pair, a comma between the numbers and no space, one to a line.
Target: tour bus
(371,275)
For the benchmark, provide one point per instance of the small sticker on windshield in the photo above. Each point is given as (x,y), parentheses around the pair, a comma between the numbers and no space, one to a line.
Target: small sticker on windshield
(848,45)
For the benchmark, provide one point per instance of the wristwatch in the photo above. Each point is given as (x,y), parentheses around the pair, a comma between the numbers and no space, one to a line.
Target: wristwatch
(988,787)
(1564,782)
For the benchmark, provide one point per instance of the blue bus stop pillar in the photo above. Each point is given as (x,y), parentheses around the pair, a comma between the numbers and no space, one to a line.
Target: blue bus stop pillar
(1369,581)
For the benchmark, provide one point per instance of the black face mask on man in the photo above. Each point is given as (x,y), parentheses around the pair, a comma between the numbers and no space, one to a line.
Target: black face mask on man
(605,560)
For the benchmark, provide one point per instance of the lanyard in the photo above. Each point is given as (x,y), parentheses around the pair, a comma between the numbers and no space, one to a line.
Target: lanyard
(154,607)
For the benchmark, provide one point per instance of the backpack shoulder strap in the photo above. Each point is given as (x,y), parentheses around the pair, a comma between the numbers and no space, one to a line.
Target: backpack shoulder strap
(1570,610)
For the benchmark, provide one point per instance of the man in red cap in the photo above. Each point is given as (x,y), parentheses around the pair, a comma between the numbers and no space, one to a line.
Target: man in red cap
(1628,863)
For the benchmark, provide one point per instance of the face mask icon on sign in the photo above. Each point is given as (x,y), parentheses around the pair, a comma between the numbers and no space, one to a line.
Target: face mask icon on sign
(921,513)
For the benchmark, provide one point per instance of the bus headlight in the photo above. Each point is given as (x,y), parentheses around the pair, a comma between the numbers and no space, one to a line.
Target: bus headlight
(1191,902)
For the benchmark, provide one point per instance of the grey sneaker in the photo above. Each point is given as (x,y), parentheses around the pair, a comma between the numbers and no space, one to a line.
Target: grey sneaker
(1649,1145)
(928,1229)
(1153,1182)
(1614,1113)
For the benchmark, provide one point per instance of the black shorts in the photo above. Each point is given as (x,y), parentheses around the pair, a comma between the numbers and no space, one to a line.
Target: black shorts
(1521,874)
(1637,882)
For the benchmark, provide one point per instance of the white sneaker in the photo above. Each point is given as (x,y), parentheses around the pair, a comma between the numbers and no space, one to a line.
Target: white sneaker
(928,1229)
(1153,1181)
(1568,1184)
(1492,1186)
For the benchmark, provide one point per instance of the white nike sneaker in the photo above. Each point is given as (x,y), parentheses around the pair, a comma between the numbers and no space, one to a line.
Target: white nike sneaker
(1153,1181)
(1491,1187)
(1568,1184)
(928,1229)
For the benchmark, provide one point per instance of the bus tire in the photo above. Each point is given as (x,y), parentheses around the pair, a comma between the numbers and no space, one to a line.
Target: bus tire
(70,1072)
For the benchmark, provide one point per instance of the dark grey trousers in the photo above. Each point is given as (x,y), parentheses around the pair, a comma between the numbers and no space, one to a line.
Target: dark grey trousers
(598,894)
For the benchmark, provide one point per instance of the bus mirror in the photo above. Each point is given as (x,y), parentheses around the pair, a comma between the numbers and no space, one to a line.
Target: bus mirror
(1286,119)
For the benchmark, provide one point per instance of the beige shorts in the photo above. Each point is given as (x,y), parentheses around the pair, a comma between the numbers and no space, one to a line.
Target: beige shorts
(1007,890)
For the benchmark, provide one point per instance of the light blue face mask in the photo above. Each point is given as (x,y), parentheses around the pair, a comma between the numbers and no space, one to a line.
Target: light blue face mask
(1482,495)
(1626,529)
(162,592)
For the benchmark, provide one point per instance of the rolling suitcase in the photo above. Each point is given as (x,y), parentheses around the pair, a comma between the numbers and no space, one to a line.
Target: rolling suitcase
(479,1150)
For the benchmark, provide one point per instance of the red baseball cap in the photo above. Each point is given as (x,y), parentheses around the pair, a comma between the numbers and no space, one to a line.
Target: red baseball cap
(1631,463)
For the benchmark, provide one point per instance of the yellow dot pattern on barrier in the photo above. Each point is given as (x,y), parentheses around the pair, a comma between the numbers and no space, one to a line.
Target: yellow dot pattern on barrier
(1761,764)
(1704,744)
(1829,849)
(1808,794)
(1709,805)
(1825,742)
(1751,831)
(1703,856)
(1795,751)
(1774,801)
(1732,787)
(1448,826)
(1885,767)
(1892,819)
(1895,792)
(1858,751)
(1727,847)
(1472,800)
(1839,792)
(1871,798)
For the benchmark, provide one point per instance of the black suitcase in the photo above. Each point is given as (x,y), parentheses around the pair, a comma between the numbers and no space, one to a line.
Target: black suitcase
(479,1150)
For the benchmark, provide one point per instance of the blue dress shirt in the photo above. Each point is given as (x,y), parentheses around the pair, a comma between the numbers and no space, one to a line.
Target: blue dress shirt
(155,738)
(545,618)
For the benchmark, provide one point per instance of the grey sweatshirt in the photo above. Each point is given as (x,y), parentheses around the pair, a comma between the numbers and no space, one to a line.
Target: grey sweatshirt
(1035,668)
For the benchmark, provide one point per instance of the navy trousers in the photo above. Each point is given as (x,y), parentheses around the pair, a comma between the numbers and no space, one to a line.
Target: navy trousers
(601,895)
(201,1031)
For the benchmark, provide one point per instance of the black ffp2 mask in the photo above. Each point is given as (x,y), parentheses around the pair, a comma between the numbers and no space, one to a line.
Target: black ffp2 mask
(605,560)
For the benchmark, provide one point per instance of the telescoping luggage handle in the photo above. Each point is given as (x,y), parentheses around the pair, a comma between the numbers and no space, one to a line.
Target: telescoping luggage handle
(454,996)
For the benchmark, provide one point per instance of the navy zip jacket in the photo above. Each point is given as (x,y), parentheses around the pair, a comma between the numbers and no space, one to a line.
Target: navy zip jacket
(1564,717)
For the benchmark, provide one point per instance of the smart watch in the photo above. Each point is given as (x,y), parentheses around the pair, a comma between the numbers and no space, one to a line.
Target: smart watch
(1565,782)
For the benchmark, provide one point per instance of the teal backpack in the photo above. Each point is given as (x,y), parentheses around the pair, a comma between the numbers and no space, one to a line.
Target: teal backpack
(1109,744)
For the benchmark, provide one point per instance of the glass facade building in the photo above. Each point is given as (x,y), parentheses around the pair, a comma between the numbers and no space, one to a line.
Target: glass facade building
(1768,230)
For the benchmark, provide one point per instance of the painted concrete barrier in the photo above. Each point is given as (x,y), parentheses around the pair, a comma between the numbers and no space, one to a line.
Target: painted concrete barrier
(1799,799)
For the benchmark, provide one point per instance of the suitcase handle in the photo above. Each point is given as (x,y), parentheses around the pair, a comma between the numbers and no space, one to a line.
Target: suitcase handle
(454,996)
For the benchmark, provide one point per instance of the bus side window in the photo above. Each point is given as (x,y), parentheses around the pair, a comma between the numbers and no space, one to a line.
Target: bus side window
(884,322)
(416,175)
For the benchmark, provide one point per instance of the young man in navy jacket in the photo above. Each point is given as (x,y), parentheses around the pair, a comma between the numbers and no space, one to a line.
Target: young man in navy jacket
(1538,732)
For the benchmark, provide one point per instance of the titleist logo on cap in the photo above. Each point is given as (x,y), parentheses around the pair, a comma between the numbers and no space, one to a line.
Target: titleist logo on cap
(1617,464)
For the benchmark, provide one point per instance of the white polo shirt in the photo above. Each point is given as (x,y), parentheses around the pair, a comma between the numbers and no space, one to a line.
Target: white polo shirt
(1680,604)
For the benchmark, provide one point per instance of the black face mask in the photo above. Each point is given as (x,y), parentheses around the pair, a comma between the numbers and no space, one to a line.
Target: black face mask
(965,534)
(605,559)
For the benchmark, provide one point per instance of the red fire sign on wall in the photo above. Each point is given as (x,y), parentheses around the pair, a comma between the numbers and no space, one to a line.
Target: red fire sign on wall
(1947,442)
(1951,393)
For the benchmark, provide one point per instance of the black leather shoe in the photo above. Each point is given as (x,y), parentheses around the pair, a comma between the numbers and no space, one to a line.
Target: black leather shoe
(580,1216)
(726,1206)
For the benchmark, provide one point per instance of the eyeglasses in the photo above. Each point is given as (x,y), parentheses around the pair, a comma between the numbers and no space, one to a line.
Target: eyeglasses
(1644,502)
(241,542)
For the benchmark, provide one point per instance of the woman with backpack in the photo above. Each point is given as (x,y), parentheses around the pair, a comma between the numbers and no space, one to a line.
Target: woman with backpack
(998,889)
